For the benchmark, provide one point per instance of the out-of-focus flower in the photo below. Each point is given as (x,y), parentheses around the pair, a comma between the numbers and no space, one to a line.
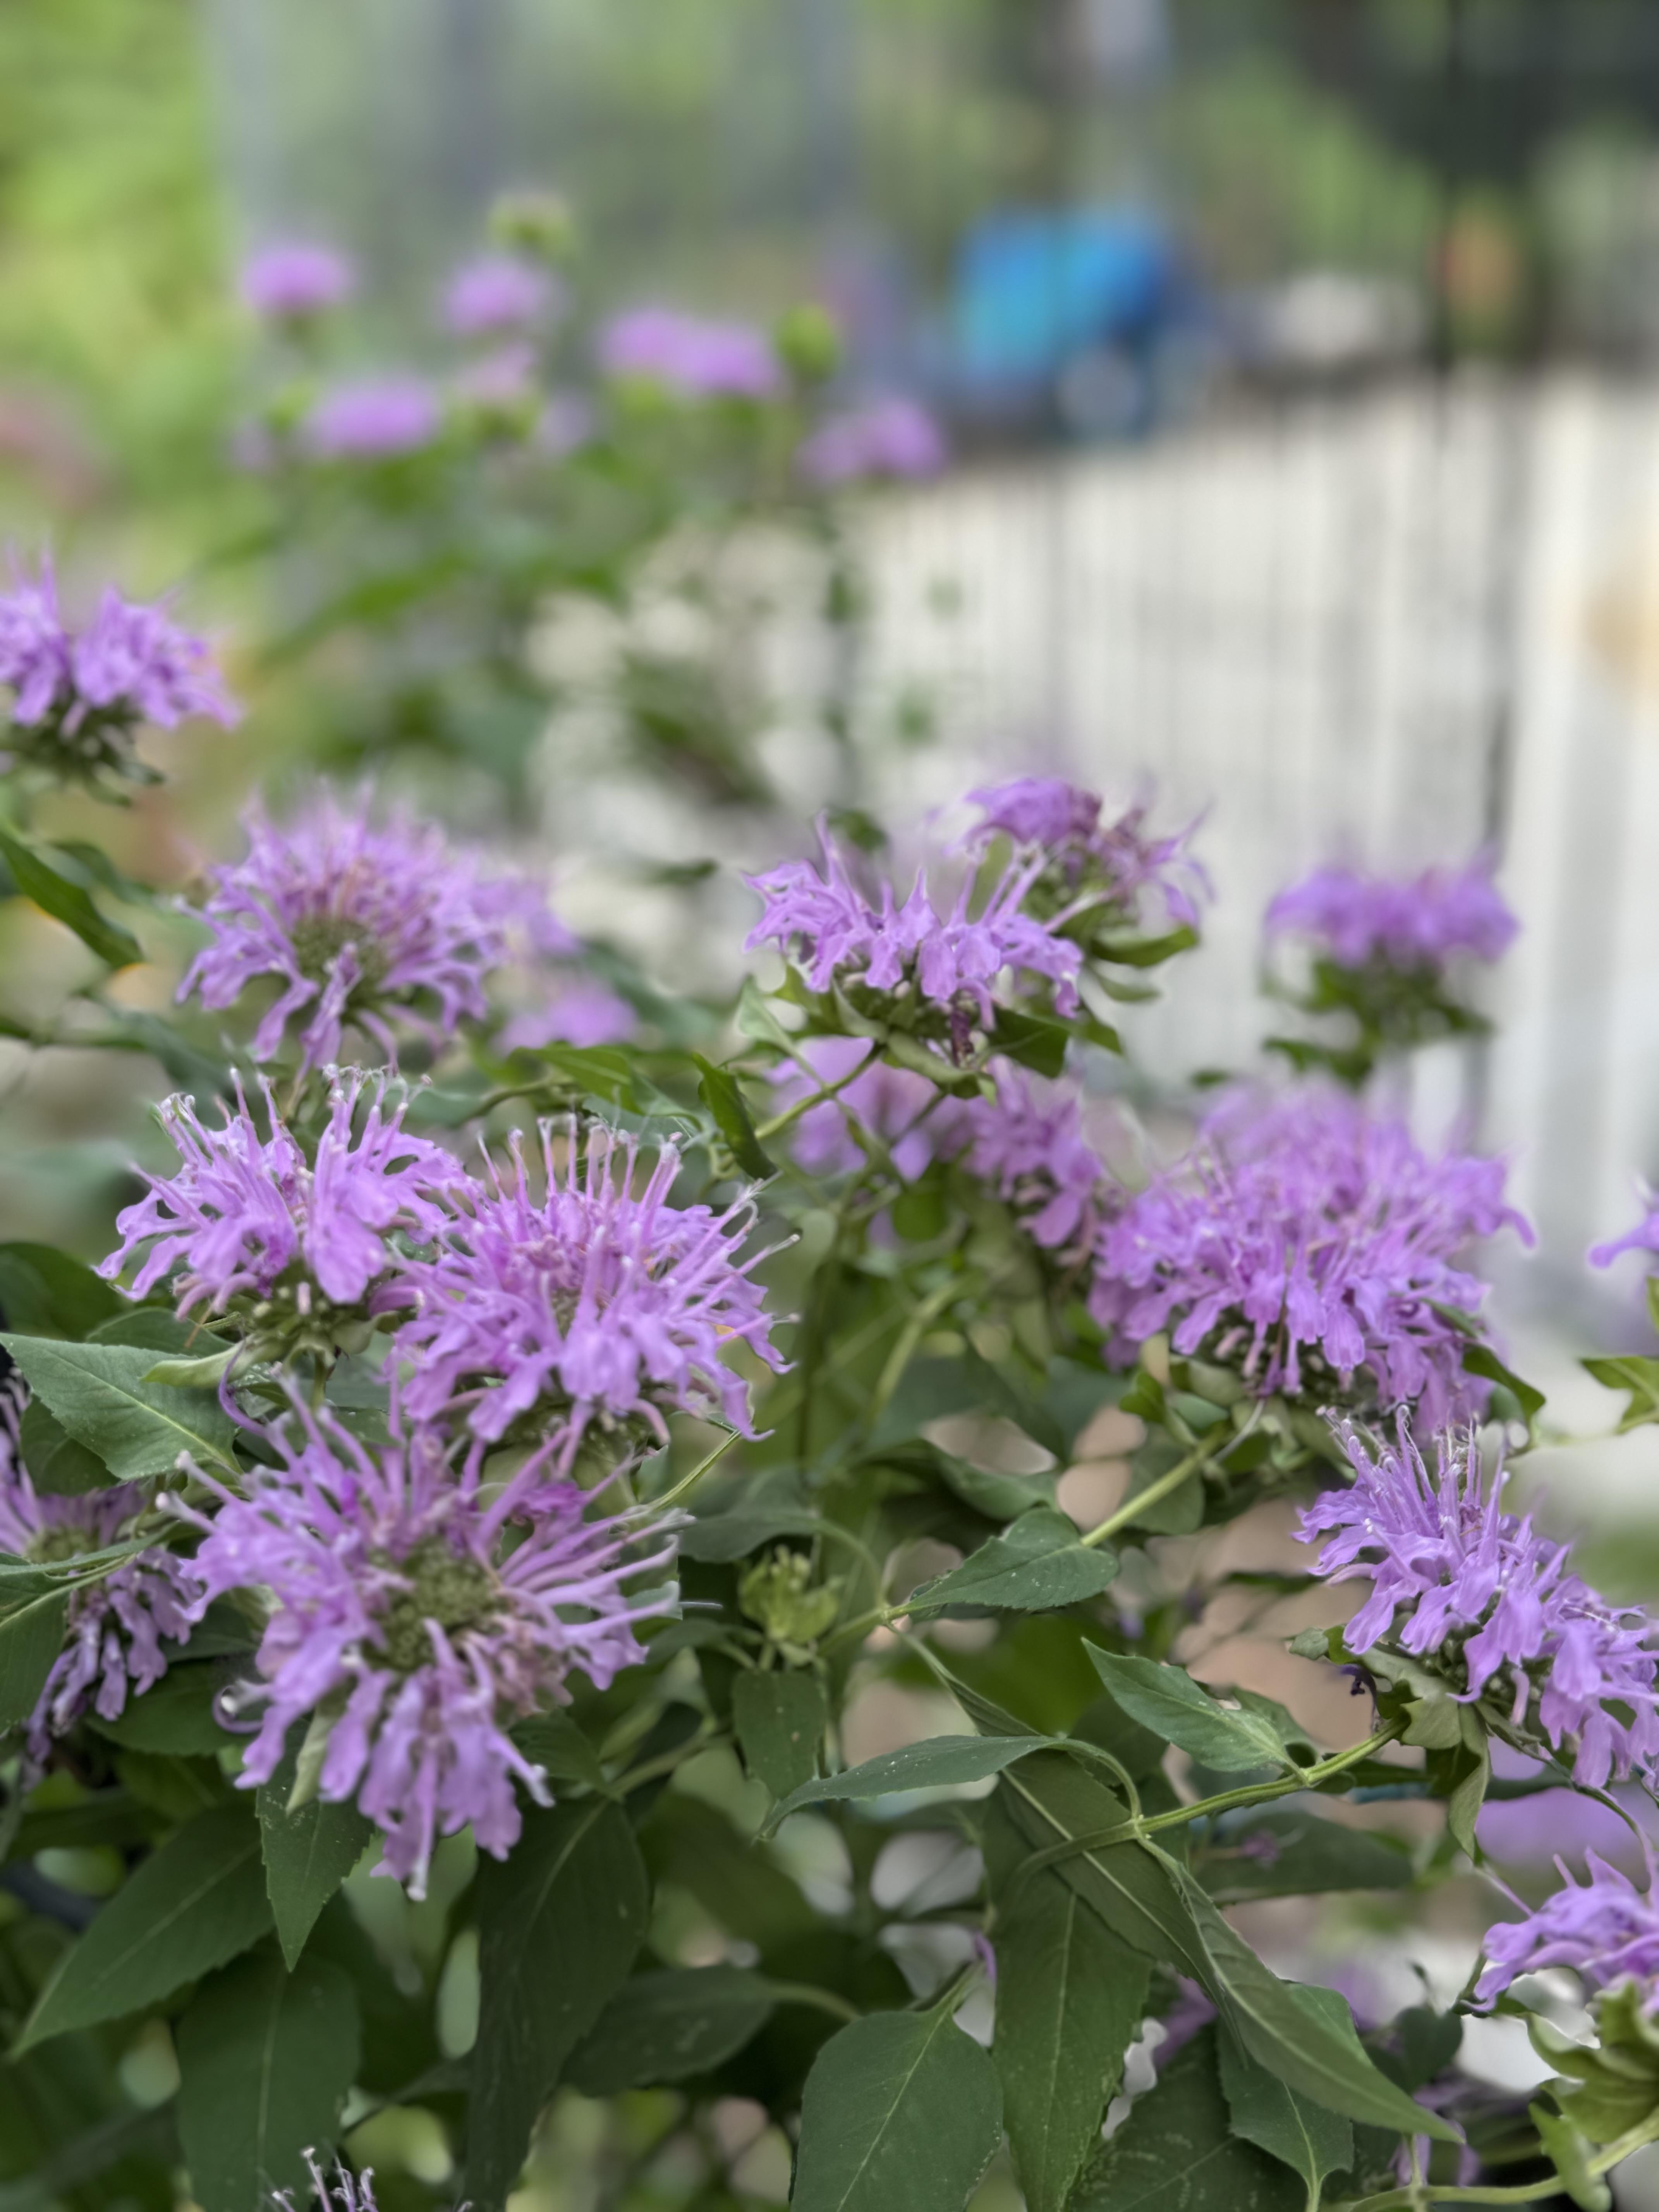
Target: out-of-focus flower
(1645,1237)
(1091,866)
(885,1100)
(893,437)
(502,384)
(698,359)
(1028,1143)
(1422,922)
(77,698)
(495,293)
(246,1214)
(1606,1930)
(1190,2014)
(293,281)
(341,2191)
(400,1611)
(376,419)
(1472,1594)
(565,425)
(384,928)
(582,1013)
(951,961)
(1307,1244)
(592,1306)
(114,1647)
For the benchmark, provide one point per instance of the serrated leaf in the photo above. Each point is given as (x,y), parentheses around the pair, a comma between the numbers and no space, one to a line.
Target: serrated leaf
(306,1853)
(719,1090)
(194,1904)
(900,2109)
(780,1717)
(265,2061)
(1167,1700)
(67,902)
(99,1392)
(1035,1565)
(559,1923)
(1301,2135)
(666,2026)
(1176,2152)
(941,1763)
(1069,2000)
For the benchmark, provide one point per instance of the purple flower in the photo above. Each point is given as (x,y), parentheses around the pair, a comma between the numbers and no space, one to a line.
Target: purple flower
(1472,1594)
(1606,1930)
(115,1625)
(1088,864)
(1420,923)
(343,2192)
(502,383)
(1645,1237)
(949,963)
(248,1217)
(360,925)
(408,1629)
(697,358)
(376,419)
(1306,1243)
(1028,1143)
(891,437)
(497,292)
(885,1100)
(582,1012)
(590,1306)
(77,699)
(293,281)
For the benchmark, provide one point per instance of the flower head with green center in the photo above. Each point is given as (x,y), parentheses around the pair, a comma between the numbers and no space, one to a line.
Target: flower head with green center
(416,1615)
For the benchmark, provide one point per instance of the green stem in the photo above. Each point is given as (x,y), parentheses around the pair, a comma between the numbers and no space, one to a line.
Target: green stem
(658,1504)
(1134,1507)
(790,1114)
(1531,2192)
(803,1993)
(909,1337)
(666,1761)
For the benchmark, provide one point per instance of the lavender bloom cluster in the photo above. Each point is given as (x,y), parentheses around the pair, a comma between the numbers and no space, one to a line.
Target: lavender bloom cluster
(591,1305)
(1314,1248)
(114,1649)
(293,279)
(498,293)
(893,438)
(383,929)
(1423,922)
(1606,1929)
(1105,870)
(401,1613)
(888,1102)
(946,964)
(691,356)
(1474,1595)
(79,697)
(1028,1143)
(1644,1237)
(246,1214)
(372,418)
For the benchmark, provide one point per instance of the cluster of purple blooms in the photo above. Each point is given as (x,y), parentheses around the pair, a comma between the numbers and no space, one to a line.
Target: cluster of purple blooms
(1474,1595)
(1302,1227)
(79,696)
(1606,1929)
(385,929)
(399,1605)
(497,294)
(1091,865)
(1421,923)
(692,355)
(1028,1143)
(893,438)
(872,1095)
(911,956)
(295,279)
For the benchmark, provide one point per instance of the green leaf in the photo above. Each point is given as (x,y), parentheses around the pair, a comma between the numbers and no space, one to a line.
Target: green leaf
(1304,2136)
(1177,2151)
(720,1538)
(1167,1700)
(1278,1854)
(308,1853)
(899,2109)
(942,1762)
(780,1717)
(553,1741)
(67,902)
(44,1292)
(1069,2000)
(99,1392)
(1146,951)
(56,1463)
(1636,1376)
(754,1018)
(266,2060)
(1036,1040)
(662,2027)
(31,1629)
(1569,2153)
(1035,1565)
(718,1089)
(559,1923)
(177,1715)
(1480,1359)
(193,1905)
